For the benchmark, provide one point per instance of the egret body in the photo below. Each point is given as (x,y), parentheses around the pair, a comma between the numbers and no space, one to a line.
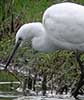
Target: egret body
(62,27)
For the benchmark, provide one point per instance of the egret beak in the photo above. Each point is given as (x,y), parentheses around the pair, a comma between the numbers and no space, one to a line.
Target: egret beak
(13,52)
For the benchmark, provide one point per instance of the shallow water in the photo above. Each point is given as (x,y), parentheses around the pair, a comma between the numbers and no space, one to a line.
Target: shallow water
(8,96)
(47,98)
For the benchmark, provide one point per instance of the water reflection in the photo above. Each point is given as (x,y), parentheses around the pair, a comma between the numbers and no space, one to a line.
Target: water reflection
(43,98)
(8,95)
(58,97)
(13,95)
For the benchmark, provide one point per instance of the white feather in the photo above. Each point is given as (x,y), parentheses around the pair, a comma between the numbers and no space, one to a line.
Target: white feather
(62,27)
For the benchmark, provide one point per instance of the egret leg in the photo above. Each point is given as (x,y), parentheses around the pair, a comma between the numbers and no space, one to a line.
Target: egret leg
(75,92)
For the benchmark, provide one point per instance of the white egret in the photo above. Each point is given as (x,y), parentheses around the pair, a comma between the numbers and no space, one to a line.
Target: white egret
(62,27)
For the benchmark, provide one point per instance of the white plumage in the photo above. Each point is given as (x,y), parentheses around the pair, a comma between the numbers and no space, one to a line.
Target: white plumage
(62,27)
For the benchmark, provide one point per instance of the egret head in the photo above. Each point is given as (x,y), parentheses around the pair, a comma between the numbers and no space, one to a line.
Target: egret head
(22,35)
(26,33)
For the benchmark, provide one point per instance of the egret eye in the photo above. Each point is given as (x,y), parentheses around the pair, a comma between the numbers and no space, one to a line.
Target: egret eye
(20,38)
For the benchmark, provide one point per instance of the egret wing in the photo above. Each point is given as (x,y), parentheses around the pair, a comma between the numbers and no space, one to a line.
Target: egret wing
(64,27)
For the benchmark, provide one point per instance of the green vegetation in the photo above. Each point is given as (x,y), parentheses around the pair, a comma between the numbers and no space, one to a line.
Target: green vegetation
(14,13)
(5,99)
(6,77)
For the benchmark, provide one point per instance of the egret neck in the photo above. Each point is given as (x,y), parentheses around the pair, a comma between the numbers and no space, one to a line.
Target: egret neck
(37,34)
(33,31)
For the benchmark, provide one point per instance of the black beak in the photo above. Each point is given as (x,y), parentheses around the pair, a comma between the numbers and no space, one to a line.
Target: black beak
(13,52)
